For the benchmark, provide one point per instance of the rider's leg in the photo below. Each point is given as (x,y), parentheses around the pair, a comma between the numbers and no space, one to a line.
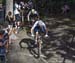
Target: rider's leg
(46,35)
(18,24)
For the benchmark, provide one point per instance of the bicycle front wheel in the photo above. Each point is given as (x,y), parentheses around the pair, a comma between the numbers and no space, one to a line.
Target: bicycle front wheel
(39,49)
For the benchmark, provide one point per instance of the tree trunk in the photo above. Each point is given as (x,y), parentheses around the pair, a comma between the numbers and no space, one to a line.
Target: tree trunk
(9,6)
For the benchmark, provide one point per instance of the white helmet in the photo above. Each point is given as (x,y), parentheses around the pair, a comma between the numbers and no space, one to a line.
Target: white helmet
(33,10)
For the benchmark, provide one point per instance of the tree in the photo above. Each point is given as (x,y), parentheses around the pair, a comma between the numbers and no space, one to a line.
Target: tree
(0,1)
(9,6)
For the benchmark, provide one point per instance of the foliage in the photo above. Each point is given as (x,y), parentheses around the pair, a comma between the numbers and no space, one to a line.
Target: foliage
(0,1)
(46,7)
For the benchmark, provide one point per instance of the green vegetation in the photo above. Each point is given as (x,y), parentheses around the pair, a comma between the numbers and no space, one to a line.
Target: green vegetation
(53,7)
(0,1)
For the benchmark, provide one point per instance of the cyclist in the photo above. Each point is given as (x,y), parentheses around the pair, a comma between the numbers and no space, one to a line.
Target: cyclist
(31,15)
(39,26)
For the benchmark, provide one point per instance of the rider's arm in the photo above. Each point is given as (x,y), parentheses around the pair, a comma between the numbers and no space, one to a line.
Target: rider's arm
(46,30)
(28,16)
(32,29)
(44,25)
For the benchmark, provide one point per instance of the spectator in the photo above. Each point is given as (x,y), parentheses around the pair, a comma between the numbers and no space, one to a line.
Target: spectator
(6,37)
(65,9)
(26,10)
(30,4)
(17,15)
(10,19)
(3,43)
(22,10)
(12,36)
(26,5)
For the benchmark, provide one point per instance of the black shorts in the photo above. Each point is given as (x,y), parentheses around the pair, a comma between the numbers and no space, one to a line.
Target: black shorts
(17,17)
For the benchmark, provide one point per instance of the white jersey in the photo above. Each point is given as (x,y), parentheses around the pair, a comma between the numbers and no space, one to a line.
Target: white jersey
(40,23)
(30,12)
(16,12)
(16,9)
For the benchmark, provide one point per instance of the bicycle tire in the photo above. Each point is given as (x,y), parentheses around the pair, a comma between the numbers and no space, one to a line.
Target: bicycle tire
(20,44)
(22,41)
(39,49)
(27,41)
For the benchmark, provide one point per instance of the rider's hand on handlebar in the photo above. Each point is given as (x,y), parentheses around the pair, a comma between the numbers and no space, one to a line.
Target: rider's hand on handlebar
(32,35)
(46,35)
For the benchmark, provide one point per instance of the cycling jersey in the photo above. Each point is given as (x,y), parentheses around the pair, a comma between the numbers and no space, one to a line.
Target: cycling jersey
(39,26)
(32,14)
(39,23)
